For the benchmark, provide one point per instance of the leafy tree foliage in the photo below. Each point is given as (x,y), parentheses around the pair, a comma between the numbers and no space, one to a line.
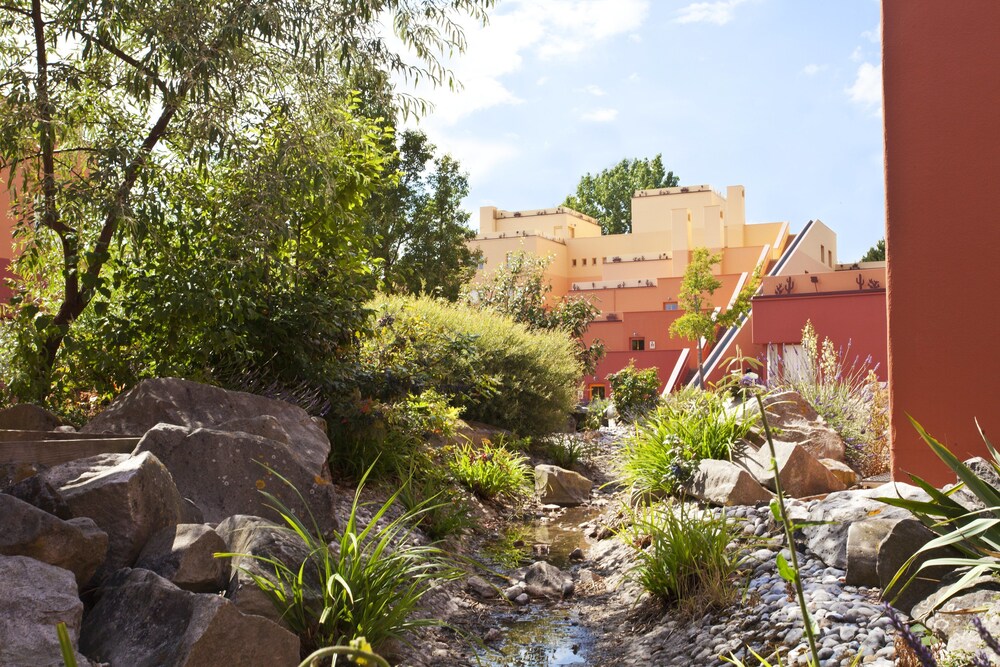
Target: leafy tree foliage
(876,253)
(607,196)
(697,287)
(518,289)
(699,320)
(417,223)
(103,102)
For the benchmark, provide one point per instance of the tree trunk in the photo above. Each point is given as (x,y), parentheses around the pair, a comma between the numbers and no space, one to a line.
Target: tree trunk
(701,371)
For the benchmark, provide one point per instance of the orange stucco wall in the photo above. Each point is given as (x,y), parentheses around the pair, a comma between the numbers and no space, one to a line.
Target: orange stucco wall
(853,321)
(942,150)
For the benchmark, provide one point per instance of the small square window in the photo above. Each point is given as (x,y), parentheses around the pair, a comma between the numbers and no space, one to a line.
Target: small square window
(669,305)
(638,344)
(597,391)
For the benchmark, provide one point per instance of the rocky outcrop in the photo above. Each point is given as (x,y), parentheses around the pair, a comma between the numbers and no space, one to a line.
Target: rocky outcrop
(185,555)
(36,597)
(223,473)
(792,419)
(800,472)
(194,405)
(77,545)
(129,497)
(143,620)
(558,486)
(256,538)
(725,483)
(27,417)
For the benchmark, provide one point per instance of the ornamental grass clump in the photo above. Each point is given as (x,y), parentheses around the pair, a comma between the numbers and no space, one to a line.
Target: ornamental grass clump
(683,555)
(666,448)
(491,471)
(372,577)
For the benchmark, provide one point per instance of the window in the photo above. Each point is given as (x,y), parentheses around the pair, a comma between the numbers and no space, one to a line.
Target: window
(574,262)
(481,265)
(822,252)
(585,261)
(669,305)
(638,344)
(829,258)
(597,391)
(594,261)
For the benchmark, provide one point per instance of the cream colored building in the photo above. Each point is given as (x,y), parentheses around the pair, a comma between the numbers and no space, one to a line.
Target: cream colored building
(635,278)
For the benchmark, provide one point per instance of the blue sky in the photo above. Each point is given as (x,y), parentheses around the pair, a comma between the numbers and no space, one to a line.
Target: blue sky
(782,96)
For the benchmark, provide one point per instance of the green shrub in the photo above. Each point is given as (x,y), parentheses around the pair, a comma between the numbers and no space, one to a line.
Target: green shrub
(683,557)
(565,450)
(633,391)
(429,492)
(495,369)
(384,438)
(373,580)
(666,447)
(491,472)
(595,414)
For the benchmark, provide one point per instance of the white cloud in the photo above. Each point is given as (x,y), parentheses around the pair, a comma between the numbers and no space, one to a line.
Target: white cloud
(856,54)
(635,37)
(605,115)
(633,77)
(812,69)
(720,12)
(545,29)
(479,157)
(875,35)
(867,87)
(594,90)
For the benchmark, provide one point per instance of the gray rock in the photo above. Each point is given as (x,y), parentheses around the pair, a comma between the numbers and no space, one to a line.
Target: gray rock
(194,405)
(544,580)
(35,597)
(840,510)
(27,417)
(482,588)
(258,538)
(223,473)
(36,491)
(558,486)
(800,472)
(145,621)
(77,545)
(129,497)
(514,592)
(725,483)
(184,555)
(952,619)
(903,540)
(985,471)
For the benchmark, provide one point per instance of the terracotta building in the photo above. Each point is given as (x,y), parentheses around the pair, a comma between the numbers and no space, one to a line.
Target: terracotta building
(635,278)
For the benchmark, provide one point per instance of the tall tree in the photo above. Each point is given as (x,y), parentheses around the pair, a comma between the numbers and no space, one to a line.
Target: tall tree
(607,196)
(697,324)
(417,225)
(99,98)
(876,253)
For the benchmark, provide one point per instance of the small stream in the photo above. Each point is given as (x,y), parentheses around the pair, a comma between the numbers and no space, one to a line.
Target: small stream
(544,634)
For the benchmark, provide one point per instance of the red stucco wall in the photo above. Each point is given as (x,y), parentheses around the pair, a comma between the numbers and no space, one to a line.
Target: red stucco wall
(854,321)
(942,148)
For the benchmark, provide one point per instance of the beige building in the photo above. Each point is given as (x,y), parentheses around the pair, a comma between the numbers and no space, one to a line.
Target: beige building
(635,278)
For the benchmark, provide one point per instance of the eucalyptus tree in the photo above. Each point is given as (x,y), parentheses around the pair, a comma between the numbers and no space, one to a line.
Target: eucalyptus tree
(101,101)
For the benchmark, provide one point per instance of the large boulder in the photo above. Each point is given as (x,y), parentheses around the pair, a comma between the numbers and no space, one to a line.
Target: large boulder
(36,597)
(223,473)
(544,580)
(800,472)
(902,541)
(194,405)
(255,539)
(27,417)
(725,483)
(129,497)
(793,419)
(952,619)
(185,555)
(143,620)
(77,545)
(558,486)
(836,515)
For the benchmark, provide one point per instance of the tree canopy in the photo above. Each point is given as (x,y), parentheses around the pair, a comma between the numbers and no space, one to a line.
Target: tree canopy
(417,225)
(607,196)
(111,111)
(876,253)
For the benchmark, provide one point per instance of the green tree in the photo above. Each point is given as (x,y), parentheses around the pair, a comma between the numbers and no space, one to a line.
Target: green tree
(101,99)
(697,287)
(607,196)
(876,253)
(519,290)
(417,223)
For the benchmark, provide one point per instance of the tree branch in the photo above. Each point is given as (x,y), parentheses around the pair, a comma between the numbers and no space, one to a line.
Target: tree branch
(153,75)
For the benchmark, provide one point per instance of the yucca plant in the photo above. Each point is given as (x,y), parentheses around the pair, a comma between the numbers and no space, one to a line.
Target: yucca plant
(974,534)
(373,577)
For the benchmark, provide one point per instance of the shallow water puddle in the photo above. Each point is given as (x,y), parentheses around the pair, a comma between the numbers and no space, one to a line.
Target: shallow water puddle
(541,637)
